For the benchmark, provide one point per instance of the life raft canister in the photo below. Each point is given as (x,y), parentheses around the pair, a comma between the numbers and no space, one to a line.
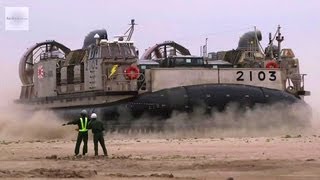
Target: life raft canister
(132,72)
(272,64)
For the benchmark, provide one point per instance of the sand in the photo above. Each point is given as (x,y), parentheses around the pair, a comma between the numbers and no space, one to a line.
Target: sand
(35,145)
(151,157)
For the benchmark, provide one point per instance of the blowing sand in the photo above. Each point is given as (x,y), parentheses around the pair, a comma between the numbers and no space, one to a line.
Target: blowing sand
(255,146)
(288,157)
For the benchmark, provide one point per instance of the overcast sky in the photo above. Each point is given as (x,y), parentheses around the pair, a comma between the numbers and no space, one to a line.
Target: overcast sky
(188,22)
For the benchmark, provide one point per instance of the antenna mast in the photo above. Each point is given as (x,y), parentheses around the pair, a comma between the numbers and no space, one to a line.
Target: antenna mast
(279,38)
(205,49)
(130,30)
(270,47)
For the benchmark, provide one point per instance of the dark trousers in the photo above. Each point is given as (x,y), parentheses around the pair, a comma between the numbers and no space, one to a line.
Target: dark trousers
(82,136)
(98,137)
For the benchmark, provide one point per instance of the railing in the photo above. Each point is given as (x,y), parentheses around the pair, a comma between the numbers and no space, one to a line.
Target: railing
(296,83)
(48,55)
(123,80)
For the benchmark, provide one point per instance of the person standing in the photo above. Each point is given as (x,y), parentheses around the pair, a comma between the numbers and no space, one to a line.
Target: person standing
(97,130)
(82,123)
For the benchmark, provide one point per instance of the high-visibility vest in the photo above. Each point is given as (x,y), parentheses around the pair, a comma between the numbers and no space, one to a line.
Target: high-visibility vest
(83,125)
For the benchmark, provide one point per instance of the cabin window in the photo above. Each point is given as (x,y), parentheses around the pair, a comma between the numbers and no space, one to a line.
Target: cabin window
(82,72)
(91,54)
(114,49)
(180,61)
(125,50)
(105,52)
(70,74)
(199,61)
(58,76)
(94,53)
(133,51)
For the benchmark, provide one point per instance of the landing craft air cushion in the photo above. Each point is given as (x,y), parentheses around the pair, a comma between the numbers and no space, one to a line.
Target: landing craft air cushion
(106,76)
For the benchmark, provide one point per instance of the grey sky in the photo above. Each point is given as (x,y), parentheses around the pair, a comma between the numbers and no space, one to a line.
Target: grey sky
(186,21)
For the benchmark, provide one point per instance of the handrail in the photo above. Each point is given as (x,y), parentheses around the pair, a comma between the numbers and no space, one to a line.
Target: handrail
(107,80)
(299,86)
(48,55)
(125,80)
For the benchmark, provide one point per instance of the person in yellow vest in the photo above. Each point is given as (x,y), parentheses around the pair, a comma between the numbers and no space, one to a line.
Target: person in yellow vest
(82,123)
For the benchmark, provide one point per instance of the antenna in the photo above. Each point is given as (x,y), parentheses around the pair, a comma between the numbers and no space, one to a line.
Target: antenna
(130,30)
(270,47)
(205,48)
(279,38)
(270,38)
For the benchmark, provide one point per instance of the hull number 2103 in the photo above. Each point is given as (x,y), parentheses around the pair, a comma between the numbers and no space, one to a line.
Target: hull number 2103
(253,76)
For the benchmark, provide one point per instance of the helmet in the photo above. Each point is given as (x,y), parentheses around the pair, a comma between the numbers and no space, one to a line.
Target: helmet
(93,116)
(84,112)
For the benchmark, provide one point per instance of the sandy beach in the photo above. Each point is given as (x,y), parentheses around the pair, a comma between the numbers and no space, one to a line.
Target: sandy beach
(149,157)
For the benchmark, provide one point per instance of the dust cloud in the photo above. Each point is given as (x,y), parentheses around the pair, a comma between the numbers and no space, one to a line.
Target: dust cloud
(279,119)
(263,120)
(17,123)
